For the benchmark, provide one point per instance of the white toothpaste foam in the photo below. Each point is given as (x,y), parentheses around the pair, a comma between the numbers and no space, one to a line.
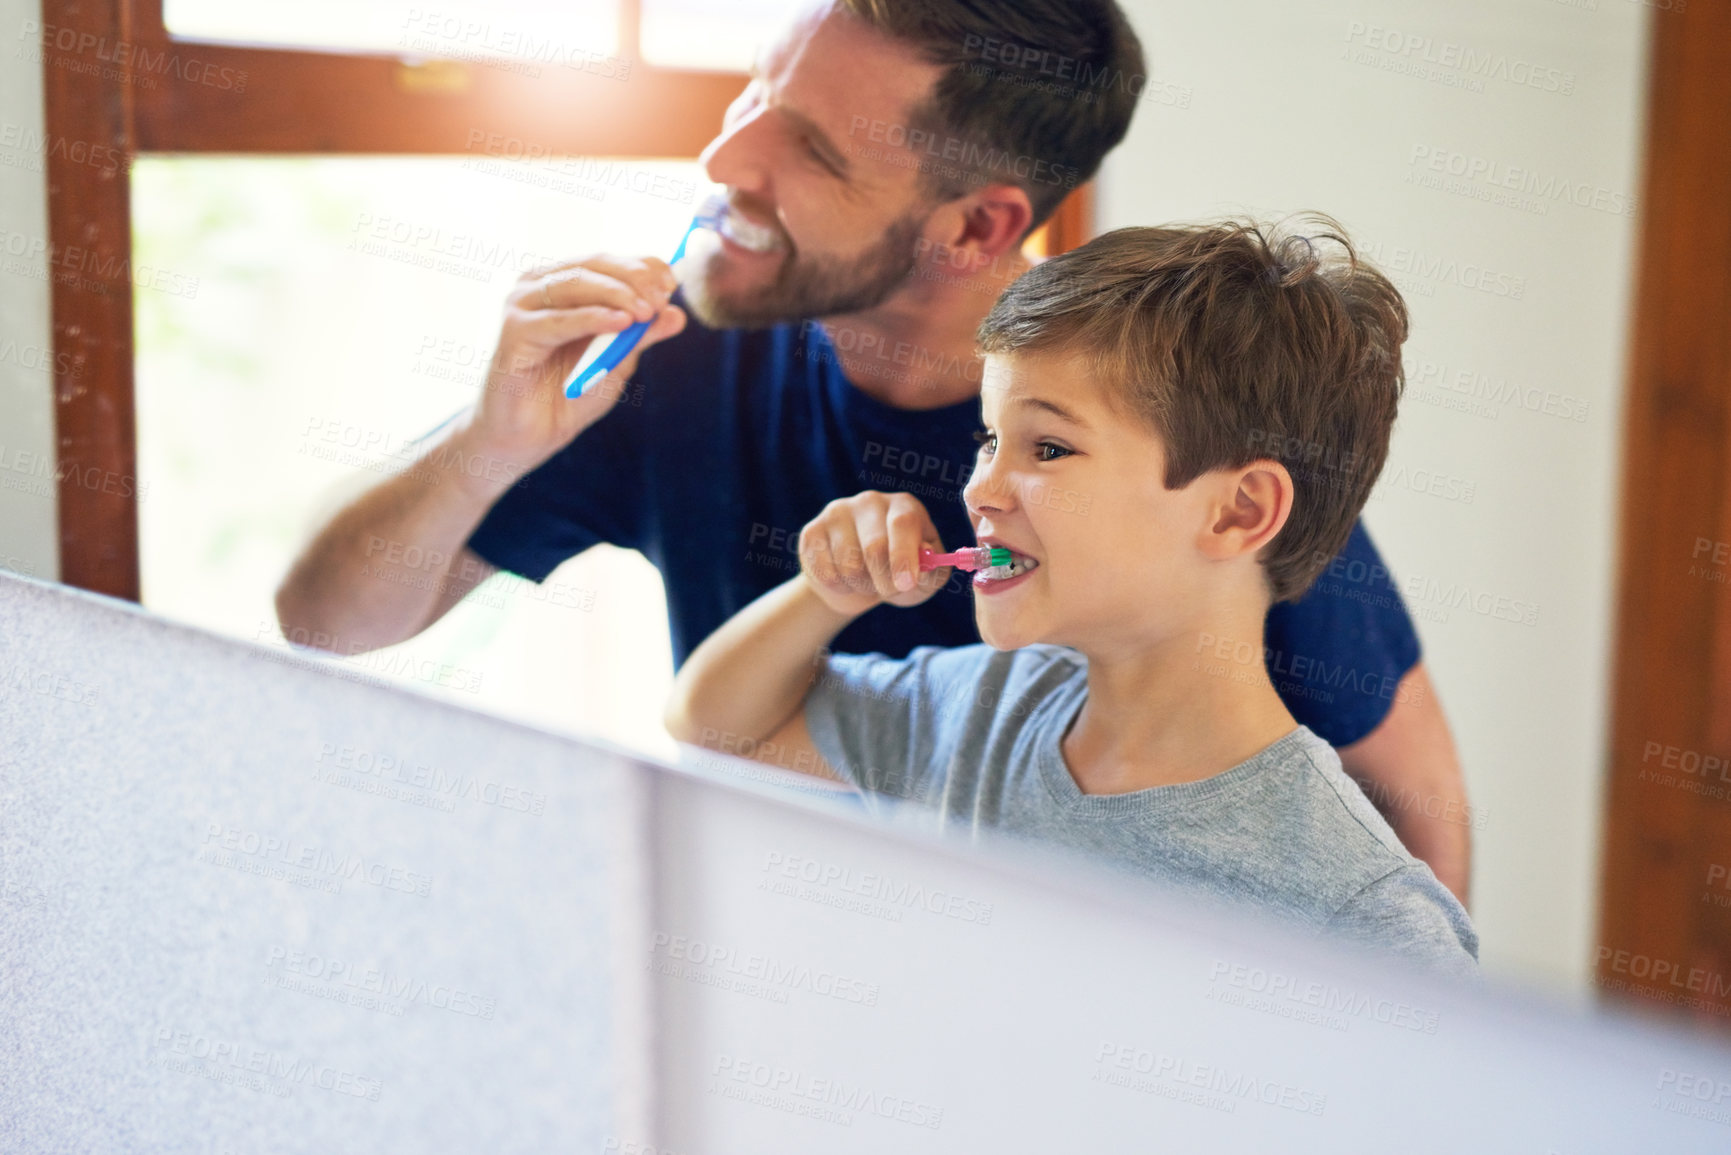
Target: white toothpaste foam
(748,234)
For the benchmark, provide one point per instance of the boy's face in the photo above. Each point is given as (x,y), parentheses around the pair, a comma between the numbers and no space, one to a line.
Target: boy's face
(1073,483)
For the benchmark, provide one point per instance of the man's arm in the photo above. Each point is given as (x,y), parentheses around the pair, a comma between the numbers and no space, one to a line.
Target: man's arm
(395,560)
(1408,768)
(392,561)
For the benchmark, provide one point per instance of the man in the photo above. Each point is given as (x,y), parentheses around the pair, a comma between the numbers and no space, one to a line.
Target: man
(897,154)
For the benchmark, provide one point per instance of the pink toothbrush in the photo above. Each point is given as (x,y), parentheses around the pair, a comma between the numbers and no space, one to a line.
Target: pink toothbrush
(980,557)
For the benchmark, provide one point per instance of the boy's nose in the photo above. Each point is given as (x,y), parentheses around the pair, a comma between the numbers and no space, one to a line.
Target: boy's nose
(988,491)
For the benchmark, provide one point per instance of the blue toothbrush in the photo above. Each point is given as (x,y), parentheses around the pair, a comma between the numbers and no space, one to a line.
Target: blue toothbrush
(709,216)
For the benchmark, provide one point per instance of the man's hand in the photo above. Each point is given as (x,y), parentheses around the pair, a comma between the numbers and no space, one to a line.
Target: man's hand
(863,551)
(551,316)
(338,589)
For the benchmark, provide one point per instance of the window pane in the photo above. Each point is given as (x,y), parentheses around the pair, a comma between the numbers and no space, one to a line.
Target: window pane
(548,31)
(305,318)
(707,35)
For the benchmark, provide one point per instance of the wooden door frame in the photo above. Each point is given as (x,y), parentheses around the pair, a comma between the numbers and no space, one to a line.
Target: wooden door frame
(1664,943)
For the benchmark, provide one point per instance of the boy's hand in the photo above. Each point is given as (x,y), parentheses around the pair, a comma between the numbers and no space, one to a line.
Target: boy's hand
(864,550)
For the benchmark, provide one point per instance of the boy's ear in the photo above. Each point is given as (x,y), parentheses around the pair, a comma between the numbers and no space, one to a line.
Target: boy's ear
(1255,502)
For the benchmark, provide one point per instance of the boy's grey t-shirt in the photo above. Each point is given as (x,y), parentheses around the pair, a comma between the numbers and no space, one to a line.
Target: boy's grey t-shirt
(975,733)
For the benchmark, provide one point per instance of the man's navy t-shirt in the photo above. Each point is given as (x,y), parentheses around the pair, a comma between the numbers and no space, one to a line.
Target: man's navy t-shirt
(728,442)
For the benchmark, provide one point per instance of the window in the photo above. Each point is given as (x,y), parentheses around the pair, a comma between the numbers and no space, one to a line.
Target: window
(264,134)
(329,311)
(522,30)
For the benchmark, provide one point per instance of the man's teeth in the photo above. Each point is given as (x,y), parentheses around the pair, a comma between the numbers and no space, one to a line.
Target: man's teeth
(748,235)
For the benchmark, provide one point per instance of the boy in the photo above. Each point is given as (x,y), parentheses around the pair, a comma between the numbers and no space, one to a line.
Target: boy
(1181,426)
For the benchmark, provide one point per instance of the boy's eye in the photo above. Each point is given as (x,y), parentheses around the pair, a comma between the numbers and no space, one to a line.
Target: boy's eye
(1043,450)
(1056,451)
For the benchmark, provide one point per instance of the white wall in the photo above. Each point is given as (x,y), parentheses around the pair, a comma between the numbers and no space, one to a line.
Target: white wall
(1267,107)
(28,539)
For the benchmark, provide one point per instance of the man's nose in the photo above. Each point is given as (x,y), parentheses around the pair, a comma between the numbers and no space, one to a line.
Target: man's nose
(737,157)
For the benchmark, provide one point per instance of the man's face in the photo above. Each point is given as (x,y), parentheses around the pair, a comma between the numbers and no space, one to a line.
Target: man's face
(797,154)
(1072,483)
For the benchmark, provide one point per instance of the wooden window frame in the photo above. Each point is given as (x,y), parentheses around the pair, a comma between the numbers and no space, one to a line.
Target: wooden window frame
(113,77)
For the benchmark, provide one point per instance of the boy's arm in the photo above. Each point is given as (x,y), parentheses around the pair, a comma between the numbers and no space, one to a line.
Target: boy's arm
(1408,913)
(744,687)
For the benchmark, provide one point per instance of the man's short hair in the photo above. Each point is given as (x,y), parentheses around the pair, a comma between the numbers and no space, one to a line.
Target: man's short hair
(1234,342)
(1034,93)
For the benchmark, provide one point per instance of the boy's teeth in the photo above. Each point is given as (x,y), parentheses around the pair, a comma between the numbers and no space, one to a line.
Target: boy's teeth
(1018,566)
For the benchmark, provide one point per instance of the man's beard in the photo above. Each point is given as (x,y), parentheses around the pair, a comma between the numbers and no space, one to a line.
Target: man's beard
(812,287)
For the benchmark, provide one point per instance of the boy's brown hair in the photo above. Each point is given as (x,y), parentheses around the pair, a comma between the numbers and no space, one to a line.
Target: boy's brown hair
(1034,93)
(1236,343)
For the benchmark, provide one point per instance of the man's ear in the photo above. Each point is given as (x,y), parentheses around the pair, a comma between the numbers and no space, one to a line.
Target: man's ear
(1253,506)
(985,225)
